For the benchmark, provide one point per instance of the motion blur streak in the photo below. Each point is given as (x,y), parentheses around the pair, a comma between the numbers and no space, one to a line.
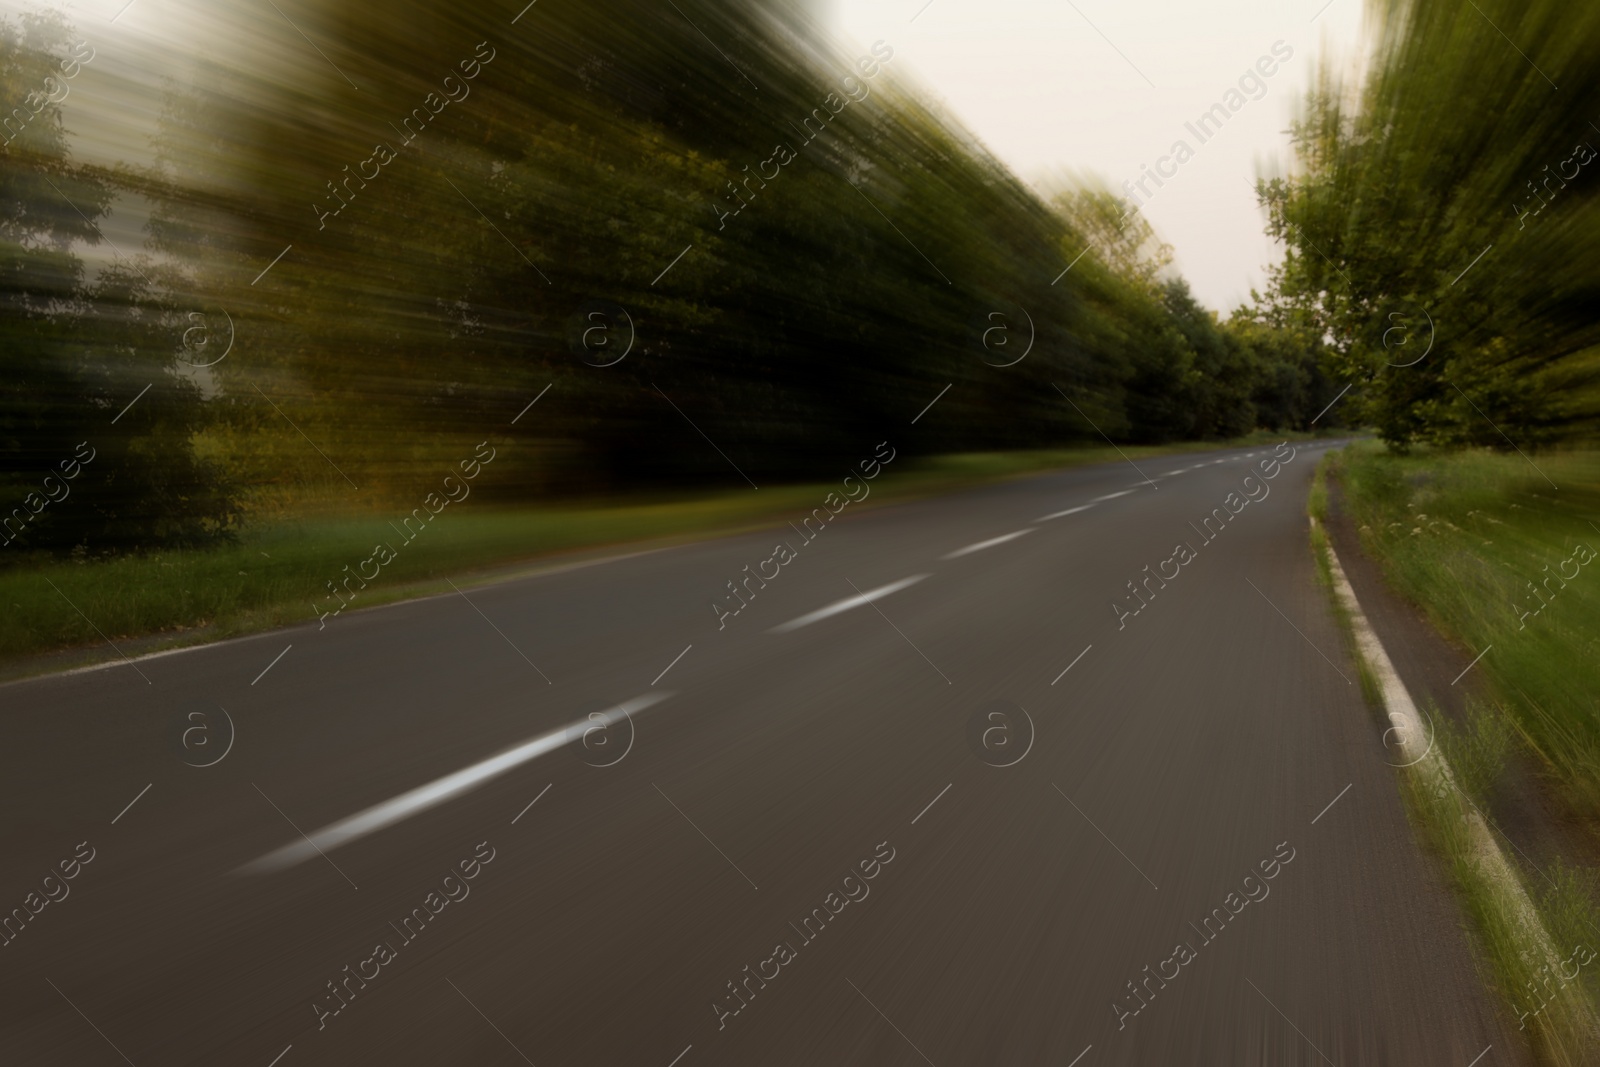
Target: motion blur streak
(639,286)
(1483,229)
(848,603)
(600,141)
(440,790)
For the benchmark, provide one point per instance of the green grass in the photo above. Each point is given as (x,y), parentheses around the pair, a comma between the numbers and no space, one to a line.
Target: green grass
(1558,1017)
(276,570)
(1462,534)
(1477,750)
(1512,950)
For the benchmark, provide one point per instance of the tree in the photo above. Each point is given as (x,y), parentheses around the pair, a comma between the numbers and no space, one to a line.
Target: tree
(1473,235)
(95,423)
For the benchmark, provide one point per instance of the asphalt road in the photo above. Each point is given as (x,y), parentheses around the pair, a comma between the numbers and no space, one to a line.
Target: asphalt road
(1156,764)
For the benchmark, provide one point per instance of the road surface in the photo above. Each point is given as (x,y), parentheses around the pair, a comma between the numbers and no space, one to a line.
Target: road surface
(911,805)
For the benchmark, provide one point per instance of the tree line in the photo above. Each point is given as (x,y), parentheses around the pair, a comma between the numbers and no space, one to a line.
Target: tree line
(708,221)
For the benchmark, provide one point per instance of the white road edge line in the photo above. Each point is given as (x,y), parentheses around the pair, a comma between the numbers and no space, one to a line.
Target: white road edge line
(1113,496)
(849,602)
(1402,713)
(1397,703)
(981,545)
(1069,511)
(438,791)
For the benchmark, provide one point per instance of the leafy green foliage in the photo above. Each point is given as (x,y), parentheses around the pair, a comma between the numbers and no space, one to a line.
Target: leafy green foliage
(1451,198)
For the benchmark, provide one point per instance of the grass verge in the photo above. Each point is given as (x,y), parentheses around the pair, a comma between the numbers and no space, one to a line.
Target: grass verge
(1491,551)
(1536,955)
(1539,957)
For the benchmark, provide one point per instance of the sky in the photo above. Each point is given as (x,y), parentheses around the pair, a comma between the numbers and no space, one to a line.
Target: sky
(1104,87)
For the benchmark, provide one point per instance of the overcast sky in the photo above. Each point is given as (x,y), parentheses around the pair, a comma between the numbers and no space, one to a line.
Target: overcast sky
(1105,86)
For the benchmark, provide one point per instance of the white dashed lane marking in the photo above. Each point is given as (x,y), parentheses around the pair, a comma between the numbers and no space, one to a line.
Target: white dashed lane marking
(849,602)
(440,790)
(981,545)
(1069,511)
